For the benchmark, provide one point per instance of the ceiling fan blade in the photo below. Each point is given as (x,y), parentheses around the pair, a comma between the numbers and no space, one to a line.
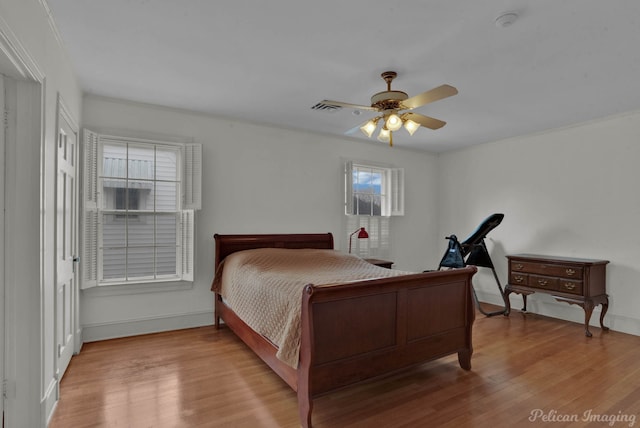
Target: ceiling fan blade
(348,105)
(426,121)
(354,129)
(435,94)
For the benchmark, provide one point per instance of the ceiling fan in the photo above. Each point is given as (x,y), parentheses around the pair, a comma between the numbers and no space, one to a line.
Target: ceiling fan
(391,105)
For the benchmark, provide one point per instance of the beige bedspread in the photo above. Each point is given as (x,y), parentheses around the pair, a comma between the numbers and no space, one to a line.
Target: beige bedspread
(264,288)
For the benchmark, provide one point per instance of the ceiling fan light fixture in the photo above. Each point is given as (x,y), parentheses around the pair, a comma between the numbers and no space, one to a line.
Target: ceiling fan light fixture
(393,122)
(411,126)
(384,136)
(368,128)
(394,109)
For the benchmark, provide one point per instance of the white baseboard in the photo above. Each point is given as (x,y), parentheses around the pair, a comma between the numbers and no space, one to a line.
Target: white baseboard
(49,401)
(124,328)
(546,305)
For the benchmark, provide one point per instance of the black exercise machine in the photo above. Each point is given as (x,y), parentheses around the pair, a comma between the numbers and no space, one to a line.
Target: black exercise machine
(473,251)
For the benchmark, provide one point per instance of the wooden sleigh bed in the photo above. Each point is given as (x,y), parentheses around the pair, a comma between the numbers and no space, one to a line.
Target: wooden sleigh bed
(359,330)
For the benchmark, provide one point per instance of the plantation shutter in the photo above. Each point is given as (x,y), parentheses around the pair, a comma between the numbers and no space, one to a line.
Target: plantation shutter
(89,260)
(348,188)
(192,167)
(188,244)
(396,187)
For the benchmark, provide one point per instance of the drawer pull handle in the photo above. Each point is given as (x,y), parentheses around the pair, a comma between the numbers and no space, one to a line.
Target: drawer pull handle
(543,282)
(519,278)
(570,272)
(519,266)
(569,286)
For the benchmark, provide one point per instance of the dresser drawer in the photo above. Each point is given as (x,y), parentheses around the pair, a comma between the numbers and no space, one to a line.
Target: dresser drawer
(564,271)
(543,282)
(570,286)
(516,278)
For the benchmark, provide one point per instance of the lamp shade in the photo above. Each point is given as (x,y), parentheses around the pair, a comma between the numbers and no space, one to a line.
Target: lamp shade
(393,122)
(411,126)
(384,136)
(368,128)
(362,234)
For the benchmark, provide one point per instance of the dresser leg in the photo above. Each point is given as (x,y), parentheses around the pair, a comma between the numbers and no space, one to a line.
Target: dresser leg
(588,310)
(524,300)
(605,308)
(507,302)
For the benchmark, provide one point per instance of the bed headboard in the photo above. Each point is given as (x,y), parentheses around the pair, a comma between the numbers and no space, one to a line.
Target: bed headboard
(228,244)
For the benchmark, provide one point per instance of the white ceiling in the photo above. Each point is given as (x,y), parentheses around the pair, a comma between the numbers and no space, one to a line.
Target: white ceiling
(562,62)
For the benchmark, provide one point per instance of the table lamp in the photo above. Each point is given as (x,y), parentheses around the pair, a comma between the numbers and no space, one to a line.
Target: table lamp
(362,234)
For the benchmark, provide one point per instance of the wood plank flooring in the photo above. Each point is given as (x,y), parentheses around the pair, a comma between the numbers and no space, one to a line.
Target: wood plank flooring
(201,377)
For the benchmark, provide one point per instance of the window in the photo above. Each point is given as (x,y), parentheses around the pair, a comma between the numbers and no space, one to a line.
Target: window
(373,190)
(140,197)
(373,193)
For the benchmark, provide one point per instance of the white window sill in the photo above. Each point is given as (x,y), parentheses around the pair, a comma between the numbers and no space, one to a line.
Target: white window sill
(124,288)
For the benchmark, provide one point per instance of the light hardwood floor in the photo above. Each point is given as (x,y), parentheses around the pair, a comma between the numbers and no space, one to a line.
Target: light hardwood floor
(206,378)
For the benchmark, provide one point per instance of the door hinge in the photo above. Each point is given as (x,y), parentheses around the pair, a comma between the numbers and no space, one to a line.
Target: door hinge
(8,389)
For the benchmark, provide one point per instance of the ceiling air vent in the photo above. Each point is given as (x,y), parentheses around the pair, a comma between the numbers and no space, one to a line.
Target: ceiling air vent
(326,107)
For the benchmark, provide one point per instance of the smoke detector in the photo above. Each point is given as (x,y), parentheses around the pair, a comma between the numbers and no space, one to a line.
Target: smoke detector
(506,19)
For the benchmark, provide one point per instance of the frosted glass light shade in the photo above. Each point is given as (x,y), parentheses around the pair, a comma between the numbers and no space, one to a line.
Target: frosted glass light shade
(393,122)
(368,128)
(384,136)
(411,126)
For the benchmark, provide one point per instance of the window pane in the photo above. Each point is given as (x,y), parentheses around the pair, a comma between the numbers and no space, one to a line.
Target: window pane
(141,230)
(376,208)
(166,196)
(376,182)
(166,164)
(114,232)
(114,263)
(114,160)
(166,244)
(140,262)
(141,164)
(368,190)
(363,203)
(166,231)
(166,260)
(113,196)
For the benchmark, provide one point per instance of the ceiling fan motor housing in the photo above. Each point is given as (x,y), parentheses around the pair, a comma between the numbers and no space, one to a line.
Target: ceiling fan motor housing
(388,100)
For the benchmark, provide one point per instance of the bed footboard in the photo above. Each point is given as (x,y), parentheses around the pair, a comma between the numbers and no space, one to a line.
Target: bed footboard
(355,332)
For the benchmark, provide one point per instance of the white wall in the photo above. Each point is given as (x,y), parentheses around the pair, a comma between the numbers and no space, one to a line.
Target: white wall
(567,192)
(256,179)
(27,35)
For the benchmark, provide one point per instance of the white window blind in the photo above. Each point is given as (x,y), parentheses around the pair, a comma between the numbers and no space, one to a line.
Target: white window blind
(139,202)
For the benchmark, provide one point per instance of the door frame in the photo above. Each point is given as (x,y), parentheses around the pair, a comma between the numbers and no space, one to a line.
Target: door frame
(2,249)
(23,319)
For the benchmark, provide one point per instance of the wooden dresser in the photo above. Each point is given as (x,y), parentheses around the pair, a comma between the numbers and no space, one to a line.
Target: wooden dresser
(576,281)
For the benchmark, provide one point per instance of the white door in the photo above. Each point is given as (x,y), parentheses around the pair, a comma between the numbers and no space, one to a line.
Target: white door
(66,241)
